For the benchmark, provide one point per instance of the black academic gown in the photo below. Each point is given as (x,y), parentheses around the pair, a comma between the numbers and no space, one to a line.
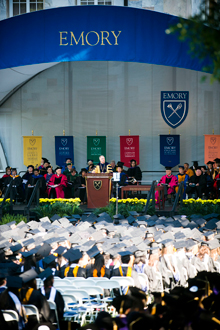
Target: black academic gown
(40,301)
(90,273)
(81,272)
(135,172)
(80,192)
(32,181)
(59,304)
(17,190)
(198,190)
(134,275)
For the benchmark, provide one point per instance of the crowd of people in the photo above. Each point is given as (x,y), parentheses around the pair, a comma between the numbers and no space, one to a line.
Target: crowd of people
(180,258)
(199,181)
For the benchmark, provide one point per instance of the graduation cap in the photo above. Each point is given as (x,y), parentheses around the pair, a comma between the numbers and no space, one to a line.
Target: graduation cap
(28,276)
(213,244)
(15,248)
(55,217)
(168,168)
(45,160)
(93,252)
(181,166)
(47,273)
(27,254)
(58,168)
(44,250)
(167,242)
(60,250)
(120,164)
(49,259)
(73,255)
(14,282)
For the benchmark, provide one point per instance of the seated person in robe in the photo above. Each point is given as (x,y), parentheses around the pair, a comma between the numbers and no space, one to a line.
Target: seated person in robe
(134,172)
(80,186)
(43,170)
(188,170)
(57,184)
(197,185)
(32,183)
(72,179)
(169,181)
(17,191)
(27,175)
(182,177)
(123,179)
(90,166)
(43,160)
(69,167)
(5,176)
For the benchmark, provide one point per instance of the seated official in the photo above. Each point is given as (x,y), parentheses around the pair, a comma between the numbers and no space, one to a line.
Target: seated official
(2,180)
(52,294)
(43,170)
(68,161)
(188,170)
(69,167)
(90,166)
(216,186)
(123,179)
(102,166)
(182,177)
(216,167)
(80,186)
(49,174)
(114,167)
(27,175)
(17,191)
(134,172)
(197,185)
(210,169)
(169,181)
(71,184)
(126,269)
(57,184)
(209,182)
(43,160)
(32,183)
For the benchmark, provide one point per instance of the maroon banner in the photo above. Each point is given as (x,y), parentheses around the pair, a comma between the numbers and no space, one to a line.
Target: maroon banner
(129,149)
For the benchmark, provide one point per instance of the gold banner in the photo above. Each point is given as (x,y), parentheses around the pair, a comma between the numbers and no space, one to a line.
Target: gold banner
(32,150)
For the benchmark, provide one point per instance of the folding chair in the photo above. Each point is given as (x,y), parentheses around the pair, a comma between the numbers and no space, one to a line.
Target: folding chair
(32,310)
(62,282)
(54,308)
(143,279)
(109,285)
(73,310)
(65,288)
(82,283)
(10,315)
(123,280)
(96,279)
(96,302)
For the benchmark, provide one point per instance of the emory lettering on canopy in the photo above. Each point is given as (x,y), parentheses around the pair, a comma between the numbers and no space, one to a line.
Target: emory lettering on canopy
(91,38)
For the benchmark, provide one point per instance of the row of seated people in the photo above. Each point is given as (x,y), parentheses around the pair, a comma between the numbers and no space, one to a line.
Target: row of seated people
(199,181)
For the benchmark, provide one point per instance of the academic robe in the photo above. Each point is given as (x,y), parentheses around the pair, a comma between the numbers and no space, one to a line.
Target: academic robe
(58,301)
(216,185)
(189,172)
(81,272)
(47,177)
(135,172)
(198,190)
(103,168)
(71,186)
(32,181)
(153,280)
(80,192)
(26,176)
(182,178)
(91,274)
(16,186)
(170,190)
(134,274)
(60,189)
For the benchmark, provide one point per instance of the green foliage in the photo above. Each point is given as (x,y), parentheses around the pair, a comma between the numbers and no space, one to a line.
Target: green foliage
(202,31)
(11,217)
(123,209)
(62,209)
(198,208)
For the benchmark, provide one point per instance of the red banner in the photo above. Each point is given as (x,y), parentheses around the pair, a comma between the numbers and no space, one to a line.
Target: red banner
(212,147)
(129,149)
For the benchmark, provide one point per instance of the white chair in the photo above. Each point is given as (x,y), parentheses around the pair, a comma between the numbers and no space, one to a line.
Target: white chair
(54,308)
(82,283)
(10,315)
(73,310)
(64,288)
(96,279)
(123,280)
(32,310)
(109,285)
(143,279)
(62,282)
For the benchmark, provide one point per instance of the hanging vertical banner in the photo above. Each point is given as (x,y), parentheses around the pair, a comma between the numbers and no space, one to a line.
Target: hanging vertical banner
(32,150)
(63,149)
(169,150)
(96,146)
(211,147)
(129,149)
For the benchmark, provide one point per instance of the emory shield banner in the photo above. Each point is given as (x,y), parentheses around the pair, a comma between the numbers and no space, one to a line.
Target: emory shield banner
(64,149)
(212,147)
(129,149)
(169,150)
(32,150)
(96,146)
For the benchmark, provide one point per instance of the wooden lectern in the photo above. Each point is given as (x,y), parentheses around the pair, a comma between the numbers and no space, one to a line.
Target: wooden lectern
(98,189)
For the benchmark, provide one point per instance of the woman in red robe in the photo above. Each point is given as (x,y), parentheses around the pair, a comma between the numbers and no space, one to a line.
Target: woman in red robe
(170,181)
(56,184)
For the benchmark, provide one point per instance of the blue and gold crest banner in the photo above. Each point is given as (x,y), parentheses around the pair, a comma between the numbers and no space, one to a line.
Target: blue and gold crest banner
(64,149)
(93,33)
(169,150)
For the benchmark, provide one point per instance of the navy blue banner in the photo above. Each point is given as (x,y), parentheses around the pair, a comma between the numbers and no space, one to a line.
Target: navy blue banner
(93,33)
(63,149)
(169,150)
